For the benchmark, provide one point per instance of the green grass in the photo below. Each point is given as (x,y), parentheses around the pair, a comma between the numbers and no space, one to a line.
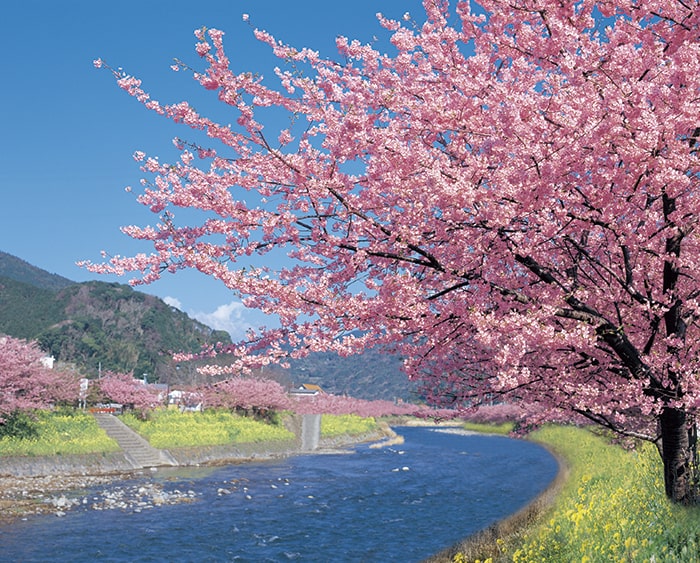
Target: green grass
(501,429)
(60,433)
(173,429)
(346,424)
(612,507)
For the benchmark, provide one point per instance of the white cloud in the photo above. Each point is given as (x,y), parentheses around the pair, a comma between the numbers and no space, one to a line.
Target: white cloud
(230,317)
(173,302)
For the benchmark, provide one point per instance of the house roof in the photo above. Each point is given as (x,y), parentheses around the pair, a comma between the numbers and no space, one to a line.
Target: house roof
(307,389)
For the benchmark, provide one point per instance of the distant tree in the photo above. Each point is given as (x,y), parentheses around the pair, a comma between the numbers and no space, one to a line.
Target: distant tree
(248,394)
(26,383)
(133,393)
(510,197)
(326,403)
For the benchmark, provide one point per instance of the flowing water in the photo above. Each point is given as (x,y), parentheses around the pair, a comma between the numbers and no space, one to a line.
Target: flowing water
(397,504)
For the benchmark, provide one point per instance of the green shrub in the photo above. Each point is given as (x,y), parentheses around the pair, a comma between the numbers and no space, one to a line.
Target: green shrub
(20,425)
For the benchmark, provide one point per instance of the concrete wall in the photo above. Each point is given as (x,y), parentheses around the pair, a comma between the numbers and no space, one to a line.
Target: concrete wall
(310,432)
(306,428)
(33,466)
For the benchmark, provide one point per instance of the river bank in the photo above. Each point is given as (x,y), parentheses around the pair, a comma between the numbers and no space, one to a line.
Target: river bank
(58,490)
(55,484)
(407,501)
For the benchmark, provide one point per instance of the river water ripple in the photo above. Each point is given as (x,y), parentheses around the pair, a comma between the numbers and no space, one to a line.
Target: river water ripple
(401,503)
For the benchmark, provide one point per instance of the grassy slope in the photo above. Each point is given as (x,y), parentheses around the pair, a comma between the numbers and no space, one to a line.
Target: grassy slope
(75,432)
(60,433)
(609,506)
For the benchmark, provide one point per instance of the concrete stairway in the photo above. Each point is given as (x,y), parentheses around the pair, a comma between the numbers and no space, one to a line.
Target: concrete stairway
(137,451)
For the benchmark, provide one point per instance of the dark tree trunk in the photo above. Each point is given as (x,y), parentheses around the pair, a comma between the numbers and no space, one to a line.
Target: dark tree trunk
(678,437)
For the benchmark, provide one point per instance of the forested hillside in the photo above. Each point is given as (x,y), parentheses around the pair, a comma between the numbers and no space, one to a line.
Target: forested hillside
(19,270)
(95,324)
(113,327)
(123,330)
(26,310)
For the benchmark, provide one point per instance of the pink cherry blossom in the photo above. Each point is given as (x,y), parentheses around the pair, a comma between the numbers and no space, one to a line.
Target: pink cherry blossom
(246,394)
(510,203)
(122,388)
(26,383)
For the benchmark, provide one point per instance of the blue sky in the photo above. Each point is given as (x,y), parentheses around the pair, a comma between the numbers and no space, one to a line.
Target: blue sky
(68,132)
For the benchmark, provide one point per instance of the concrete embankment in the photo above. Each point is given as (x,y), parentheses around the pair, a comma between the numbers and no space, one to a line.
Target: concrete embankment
(204,455)
(89,464)
(92,464)
(38,485)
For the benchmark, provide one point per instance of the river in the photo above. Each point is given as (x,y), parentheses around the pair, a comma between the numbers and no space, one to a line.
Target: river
(400,503)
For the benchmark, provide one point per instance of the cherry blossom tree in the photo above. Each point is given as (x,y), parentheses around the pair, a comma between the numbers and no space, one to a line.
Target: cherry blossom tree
(122,388)
(327,403)
(508,196)
(26,383)
(247,394)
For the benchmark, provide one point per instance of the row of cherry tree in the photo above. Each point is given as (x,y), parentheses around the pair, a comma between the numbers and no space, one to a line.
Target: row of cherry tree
(26,383)
(252,396)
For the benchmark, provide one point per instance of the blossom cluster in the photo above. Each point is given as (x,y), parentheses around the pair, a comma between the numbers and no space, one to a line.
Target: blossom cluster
(27,383)
(122,388)
(246,394)
(510,202)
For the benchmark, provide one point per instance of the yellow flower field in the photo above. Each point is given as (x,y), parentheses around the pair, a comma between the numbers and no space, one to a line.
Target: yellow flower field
(60,433)
(612,508)
(172,429)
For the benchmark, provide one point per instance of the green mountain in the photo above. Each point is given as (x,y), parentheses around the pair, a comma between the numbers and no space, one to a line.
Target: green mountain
(96,325)
(19,270)
(110,326)
(374,374)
